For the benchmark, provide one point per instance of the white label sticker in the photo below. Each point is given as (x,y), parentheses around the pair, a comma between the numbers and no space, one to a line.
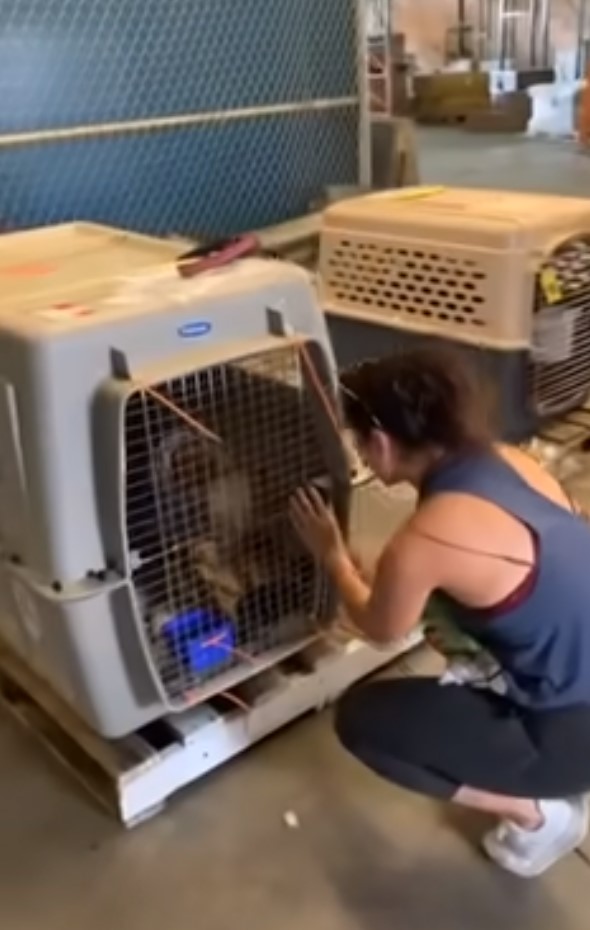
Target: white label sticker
(553,334)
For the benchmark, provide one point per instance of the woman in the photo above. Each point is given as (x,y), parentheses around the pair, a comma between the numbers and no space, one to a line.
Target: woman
(498,539)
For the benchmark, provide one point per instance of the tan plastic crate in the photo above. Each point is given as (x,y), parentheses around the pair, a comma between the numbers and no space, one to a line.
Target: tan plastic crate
(462,264)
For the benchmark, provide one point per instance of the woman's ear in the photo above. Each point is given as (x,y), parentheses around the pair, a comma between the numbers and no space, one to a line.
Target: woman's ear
(382,448)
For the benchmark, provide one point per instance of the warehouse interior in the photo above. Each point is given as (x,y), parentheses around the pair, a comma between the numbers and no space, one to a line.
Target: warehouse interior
(194,121)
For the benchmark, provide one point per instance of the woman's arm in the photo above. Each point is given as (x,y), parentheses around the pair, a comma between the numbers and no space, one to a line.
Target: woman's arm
(390,607)
(395,603)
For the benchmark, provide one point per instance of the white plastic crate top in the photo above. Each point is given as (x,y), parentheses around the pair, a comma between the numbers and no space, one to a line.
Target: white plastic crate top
(78,301)
(455,262)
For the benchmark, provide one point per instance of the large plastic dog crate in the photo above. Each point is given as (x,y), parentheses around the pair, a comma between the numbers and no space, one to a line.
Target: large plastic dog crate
(152,431)
(504,277)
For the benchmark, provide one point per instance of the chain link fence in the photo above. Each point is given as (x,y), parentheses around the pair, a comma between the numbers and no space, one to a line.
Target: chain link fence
(193,117)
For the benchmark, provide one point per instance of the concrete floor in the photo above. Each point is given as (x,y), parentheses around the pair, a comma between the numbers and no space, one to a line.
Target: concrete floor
(366,855)
(468,159)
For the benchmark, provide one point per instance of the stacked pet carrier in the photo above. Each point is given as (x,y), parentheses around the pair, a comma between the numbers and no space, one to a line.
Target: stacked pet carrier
(503,277)
(152,430)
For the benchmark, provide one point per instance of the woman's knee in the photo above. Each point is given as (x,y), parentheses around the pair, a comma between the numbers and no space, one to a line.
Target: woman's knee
(383,725)
(354,719)
(389,714)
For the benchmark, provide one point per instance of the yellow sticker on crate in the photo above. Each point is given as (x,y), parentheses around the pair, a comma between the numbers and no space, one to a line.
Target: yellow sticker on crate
(550,286)
(418,193)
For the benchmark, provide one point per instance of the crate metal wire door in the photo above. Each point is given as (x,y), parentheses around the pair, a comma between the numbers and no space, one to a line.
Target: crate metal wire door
(560,365)
(222,583)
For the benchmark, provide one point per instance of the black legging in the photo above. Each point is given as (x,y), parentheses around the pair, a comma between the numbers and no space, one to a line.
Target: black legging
(433,739)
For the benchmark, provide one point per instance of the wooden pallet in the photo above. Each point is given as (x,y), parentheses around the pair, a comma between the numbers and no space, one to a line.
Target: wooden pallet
(134,777)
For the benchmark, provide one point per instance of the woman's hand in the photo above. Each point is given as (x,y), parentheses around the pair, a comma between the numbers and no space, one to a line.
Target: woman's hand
(316,526)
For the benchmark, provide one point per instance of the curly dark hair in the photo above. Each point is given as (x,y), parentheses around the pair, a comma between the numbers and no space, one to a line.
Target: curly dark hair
(422,398)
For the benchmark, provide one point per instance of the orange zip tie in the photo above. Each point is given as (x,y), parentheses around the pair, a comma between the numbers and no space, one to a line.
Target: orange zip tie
(195,695)
(320,390)
(194,424)
(232,698)
(218,641)
(235,700)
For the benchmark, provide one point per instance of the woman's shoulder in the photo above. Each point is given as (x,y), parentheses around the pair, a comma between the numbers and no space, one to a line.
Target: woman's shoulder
(495,465)
(449,509)
(420,547)
(535,474)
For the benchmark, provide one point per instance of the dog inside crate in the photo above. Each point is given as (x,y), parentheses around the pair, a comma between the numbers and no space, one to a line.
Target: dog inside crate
(220,576)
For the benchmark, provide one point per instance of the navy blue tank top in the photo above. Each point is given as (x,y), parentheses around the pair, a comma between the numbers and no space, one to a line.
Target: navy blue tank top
(543,642)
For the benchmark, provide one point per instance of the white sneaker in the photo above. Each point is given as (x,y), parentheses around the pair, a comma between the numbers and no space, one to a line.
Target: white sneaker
(479,672)
(529,853)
